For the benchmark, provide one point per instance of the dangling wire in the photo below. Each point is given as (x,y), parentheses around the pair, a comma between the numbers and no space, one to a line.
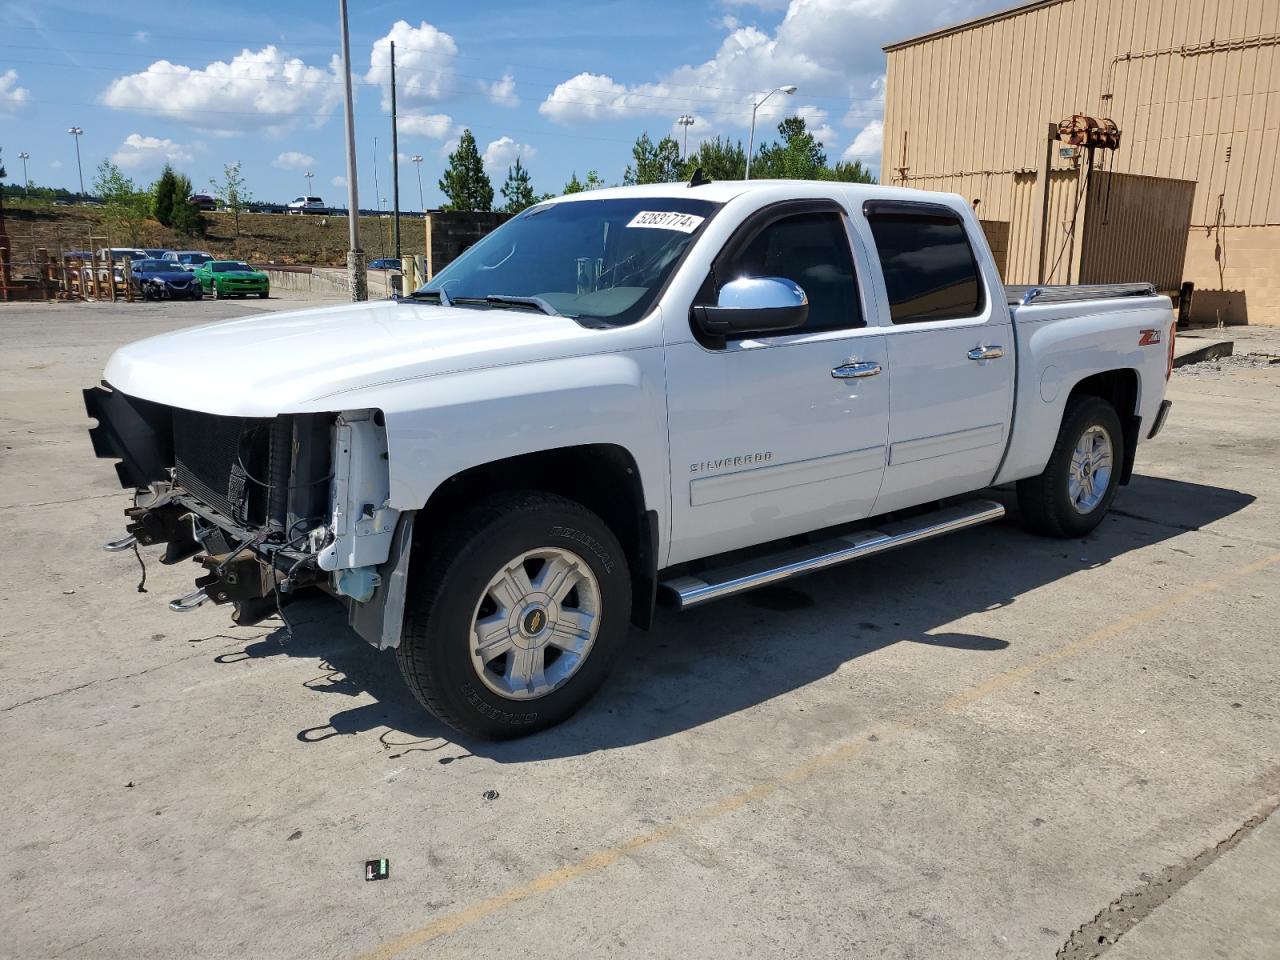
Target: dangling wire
(142,584)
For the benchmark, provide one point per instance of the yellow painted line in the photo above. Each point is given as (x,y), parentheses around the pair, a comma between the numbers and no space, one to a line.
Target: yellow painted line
(594,863)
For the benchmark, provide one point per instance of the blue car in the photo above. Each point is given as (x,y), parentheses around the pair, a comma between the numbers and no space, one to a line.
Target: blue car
(385,263)
(164,280)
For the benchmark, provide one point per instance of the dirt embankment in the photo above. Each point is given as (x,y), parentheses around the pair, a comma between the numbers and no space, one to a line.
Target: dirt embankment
(263,237)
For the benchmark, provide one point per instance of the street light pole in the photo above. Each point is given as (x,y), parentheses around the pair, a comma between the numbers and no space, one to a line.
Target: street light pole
(77,132)
(308,175)
(395,161)
(357,277)
(788,89)
(26,181)
(685,121)
(422,206)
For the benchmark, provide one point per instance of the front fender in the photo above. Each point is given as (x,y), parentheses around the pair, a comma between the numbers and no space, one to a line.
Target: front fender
(439,426)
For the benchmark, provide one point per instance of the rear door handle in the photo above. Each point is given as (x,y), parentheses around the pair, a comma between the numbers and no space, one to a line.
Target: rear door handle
(856,369)
(986,353)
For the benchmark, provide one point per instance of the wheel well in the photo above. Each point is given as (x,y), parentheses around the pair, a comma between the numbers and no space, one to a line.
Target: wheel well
(602,477)
(1120,389)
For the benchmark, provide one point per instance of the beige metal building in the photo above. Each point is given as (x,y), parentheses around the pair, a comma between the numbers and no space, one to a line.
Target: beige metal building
(1193,191)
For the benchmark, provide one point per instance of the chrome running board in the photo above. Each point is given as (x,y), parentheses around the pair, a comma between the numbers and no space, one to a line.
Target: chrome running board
(708,585)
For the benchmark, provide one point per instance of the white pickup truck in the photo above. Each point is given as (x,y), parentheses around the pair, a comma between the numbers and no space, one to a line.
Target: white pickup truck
(659,392)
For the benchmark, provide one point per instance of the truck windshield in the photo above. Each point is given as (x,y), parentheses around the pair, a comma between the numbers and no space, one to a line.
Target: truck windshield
(603,260)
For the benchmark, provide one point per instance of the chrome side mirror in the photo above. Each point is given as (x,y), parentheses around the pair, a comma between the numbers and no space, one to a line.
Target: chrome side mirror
(754,305)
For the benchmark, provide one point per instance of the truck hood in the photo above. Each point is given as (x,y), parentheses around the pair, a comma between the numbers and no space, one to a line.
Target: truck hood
(304,360)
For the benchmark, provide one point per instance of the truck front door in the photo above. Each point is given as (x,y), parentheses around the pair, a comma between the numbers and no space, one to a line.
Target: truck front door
(950,346)
(776,435)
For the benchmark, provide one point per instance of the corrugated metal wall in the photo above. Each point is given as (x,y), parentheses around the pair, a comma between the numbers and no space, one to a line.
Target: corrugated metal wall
(1184,79)
(1194,87)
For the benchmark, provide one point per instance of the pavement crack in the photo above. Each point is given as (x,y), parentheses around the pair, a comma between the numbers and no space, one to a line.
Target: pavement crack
(1094,938)
(123,676)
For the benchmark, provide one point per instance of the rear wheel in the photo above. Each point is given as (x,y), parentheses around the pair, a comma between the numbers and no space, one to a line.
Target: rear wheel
(1083,473)
(516,615)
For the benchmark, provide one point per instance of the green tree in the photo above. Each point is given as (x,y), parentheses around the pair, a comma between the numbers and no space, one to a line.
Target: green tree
(233,193)
(574,185)
(126,206)
(163,192)
(798,157)
(594,181)
(654,162)
(465,183)
(848,172)
(517,191)
(186,217)
(720,159)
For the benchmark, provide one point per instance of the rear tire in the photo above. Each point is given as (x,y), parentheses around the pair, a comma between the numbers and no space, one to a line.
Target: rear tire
(542,585)
(1075,491)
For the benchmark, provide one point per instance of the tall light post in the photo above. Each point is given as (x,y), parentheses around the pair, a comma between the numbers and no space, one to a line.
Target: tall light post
(77,132)
(26,181)
(685,121)
(357,276)
(308,175)
(788,89)
(426,223)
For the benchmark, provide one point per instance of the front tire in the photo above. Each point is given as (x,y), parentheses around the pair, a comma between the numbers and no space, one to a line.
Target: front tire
(1083,473)
(517,612)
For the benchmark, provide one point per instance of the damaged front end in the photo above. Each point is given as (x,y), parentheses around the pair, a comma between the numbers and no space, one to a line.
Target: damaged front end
(265,505)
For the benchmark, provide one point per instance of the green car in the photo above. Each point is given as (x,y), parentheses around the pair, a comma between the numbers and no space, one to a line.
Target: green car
(231,278)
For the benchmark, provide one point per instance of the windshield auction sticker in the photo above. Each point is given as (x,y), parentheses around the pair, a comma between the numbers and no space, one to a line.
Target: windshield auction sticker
(666,220)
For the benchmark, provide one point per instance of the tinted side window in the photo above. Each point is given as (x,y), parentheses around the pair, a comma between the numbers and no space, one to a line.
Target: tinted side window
(813,250)
(929,268)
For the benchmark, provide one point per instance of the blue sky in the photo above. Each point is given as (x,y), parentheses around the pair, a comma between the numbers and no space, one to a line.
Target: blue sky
(566,85)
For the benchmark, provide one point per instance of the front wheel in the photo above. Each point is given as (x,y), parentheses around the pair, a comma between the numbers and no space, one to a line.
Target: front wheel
(1083,473)
(515,616)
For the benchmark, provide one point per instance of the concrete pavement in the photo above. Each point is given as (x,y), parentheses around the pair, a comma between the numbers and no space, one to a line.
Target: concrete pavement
(964,749)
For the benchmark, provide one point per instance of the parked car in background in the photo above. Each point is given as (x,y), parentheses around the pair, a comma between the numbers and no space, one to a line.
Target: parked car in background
(385,263)
(231,278)
(202,201)
(164,280)
(155,253)
(307,205)
(112,254)
(188,259)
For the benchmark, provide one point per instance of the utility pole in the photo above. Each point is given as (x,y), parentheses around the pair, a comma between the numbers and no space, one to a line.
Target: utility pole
(77,133)
(26,181)
(357,277)
(685,121)
(422,205)
(395,161)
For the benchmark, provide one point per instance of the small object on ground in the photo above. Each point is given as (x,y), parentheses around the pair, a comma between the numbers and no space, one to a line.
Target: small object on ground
(129,784)
(376,869)
(296,835)
(491,794)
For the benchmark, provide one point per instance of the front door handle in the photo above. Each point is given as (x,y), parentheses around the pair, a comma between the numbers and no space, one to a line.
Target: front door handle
(986,353)
(856,369)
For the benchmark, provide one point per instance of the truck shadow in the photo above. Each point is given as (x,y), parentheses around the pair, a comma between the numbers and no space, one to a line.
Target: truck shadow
(697,667)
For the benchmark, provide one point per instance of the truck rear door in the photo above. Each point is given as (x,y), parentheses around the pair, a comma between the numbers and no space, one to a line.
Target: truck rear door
(951,354)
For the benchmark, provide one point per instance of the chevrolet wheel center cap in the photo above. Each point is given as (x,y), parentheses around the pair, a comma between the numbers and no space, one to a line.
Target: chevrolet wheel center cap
(534,620)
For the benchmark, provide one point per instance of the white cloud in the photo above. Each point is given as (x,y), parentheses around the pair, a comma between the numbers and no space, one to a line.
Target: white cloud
(502,153)
(293,160)
(424,56)
(138,151)
(867,144)
(339,182)
(502,92)
(56,164)
(254,91)
(815,119)
(437,126)
(12,97)
(141,36)
(827,48)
